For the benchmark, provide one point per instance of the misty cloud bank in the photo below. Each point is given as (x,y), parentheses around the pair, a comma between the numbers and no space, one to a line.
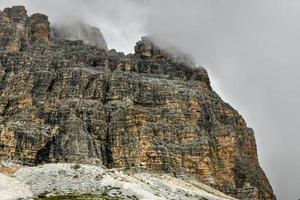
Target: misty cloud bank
(80,31)
(250,48)
(121,22)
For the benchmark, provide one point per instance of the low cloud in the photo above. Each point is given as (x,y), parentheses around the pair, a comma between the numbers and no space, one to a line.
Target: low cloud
(251,49)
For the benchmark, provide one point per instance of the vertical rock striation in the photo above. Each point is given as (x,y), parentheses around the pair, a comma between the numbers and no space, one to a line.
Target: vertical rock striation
(64,101)
(18,31)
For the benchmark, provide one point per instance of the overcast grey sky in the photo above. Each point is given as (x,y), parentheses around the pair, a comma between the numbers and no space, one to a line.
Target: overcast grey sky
(251,49)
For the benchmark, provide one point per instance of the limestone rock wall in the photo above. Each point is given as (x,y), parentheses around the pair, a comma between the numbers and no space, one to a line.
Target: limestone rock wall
(18,31)
(70,102)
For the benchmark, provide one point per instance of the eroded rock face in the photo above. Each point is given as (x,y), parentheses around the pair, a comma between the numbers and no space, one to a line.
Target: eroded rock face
(18,31)
(40,28)
(70,102)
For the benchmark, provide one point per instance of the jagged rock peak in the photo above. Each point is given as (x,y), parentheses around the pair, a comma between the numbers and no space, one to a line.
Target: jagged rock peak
(80,31)
(40,28)
(16,12)
(147,48)
(18,31)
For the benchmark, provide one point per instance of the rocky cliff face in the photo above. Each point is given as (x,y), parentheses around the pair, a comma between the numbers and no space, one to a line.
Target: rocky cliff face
(18,31)
(63,101)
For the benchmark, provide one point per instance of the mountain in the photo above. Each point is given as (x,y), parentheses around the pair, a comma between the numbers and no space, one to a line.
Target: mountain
(64,101)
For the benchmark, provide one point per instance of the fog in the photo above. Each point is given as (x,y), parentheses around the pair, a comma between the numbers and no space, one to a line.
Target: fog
(120,21)
(251,49)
